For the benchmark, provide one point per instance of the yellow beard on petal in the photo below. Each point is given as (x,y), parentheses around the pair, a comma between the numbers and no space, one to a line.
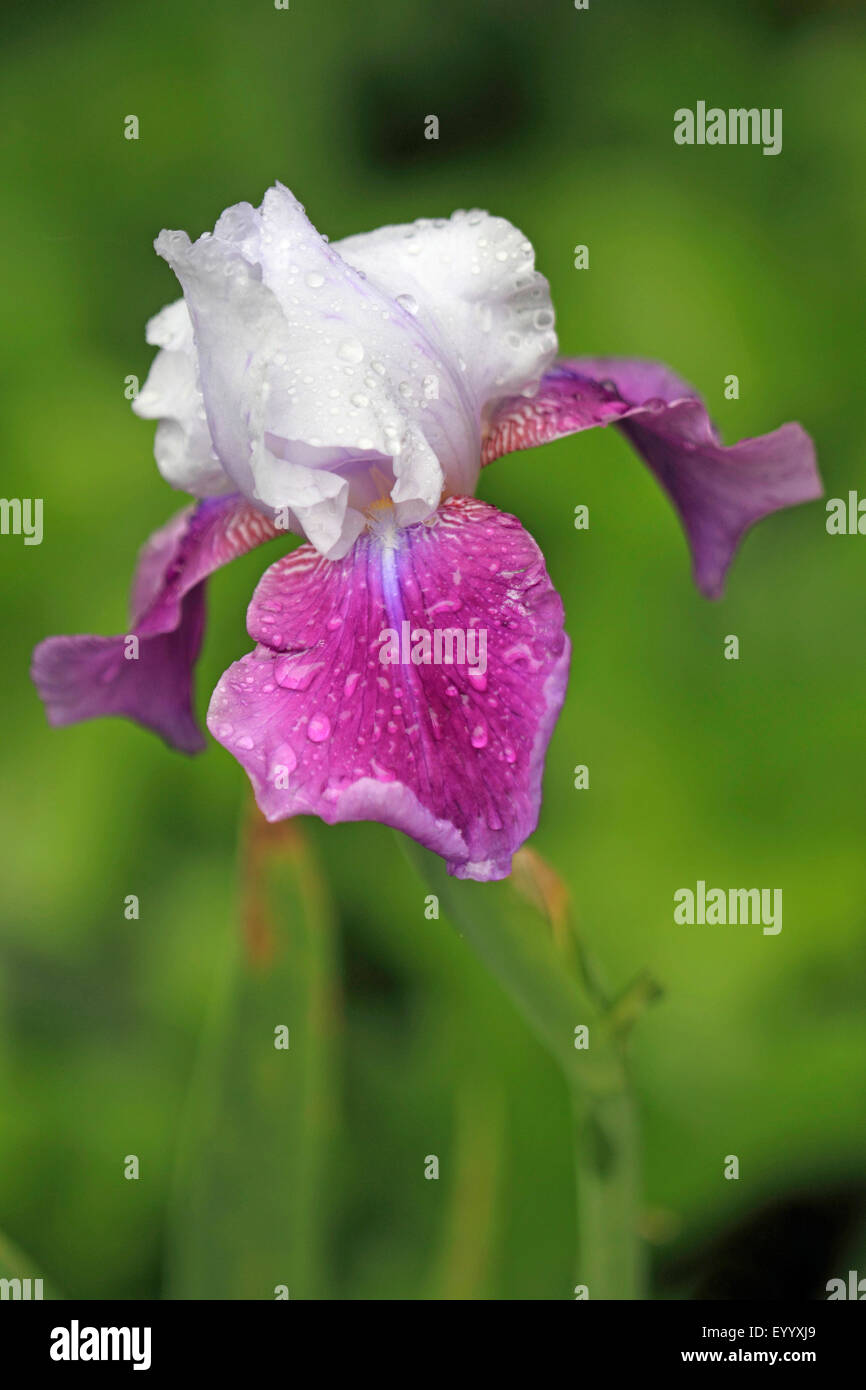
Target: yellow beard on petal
(382,521)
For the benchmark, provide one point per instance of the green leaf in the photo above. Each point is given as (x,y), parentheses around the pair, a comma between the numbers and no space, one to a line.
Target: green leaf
(473,1219)
(18,1267)
(247,1211)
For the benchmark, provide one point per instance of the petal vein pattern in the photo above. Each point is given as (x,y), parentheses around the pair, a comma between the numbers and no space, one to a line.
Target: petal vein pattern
(445,739)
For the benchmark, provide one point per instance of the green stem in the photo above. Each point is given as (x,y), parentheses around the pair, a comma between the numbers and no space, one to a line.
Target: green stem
(607,1167)
(518,950)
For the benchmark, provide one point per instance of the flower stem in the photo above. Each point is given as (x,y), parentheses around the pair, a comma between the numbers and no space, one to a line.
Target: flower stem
(607,1168)
(556,998)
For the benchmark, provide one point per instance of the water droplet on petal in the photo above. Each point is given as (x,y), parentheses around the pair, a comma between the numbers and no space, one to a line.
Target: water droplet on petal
(382,774)
(318,728)
(351,350)
(314,279)
(294,673)
(478,737)
(283,760)
(408,302)
(444,605)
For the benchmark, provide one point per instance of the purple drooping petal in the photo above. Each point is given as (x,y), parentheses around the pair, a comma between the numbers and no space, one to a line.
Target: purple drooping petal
(718,492)
(450,753)
(150,681)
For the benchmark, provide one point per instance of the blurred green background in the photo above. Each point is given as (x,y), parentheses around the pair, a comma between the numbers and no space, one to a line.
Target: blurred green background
(716,261)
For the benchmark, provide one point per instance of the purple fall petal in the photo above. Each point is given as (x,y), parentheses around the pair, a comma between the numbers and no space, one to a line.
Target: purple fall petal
(451,755)
(718,492)
(86,677)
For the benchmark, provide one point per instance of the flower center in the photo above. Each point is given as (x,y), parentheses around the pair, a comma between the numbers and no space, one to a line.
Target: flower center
(382,522)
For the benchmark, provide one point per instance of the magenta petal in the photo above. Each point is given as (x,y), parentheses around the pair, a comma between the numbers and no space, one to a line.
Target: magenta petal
(448,753)
(718,492)
(85,677)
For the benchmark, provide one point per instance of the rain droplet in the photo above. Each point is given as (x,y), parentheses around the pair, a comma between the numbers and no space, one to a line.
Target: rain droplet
(382,774)
(350,350)
(408,302)
(519,652)
(293,674)
(314,279)
(318,728)
(284,759)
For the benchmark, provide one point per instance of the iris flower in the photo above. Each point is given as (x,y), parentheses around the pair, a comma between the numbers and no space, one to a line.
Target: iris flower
(351,393)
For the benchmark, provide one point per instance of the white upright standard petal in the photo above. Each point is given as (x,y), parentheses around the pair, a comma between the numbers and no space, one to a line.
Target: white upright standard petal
(171,395)
(332,377)
(471,281)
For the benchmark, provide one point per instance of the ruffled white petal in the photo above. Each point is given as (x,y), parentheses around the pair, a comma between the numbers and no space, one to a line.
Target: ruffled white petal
(171,394)
(317,379)
(471,281)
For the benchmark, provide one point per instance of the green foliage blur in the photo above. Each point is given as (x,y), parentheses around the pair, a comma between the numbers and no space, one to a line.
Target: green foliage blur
(714,260)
